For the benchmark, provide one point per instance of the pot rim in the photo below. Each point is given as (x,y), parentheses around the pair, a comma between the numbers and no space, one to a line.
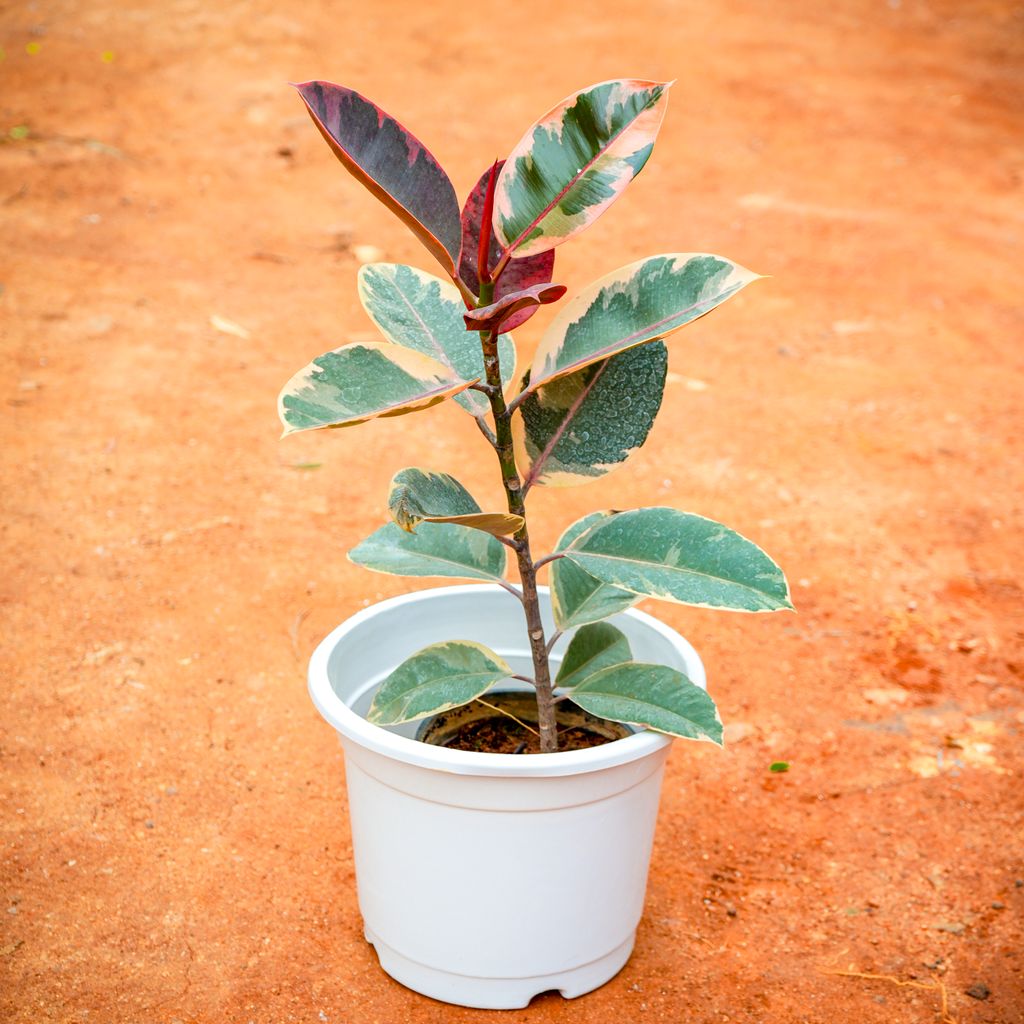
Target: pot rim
(354,727)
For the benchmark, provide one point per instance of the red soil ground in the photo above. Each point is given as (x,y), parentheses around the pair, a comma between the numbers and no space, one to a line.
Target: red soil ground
(175,844)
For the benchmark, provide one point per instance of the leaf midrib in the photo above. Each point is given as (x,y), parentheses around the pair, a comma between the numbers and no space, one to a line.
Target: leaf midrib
(620,344)
(438,347)
(576,671)
(584,170)
(448,561)
(636,702)
(440,390)
(596,592)
(375,186)
(661,565)
(407,695)
(570,414)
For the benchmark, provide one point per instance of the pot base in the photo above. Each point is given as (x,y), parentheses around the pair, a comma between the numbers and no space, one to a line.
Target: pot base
(498,993)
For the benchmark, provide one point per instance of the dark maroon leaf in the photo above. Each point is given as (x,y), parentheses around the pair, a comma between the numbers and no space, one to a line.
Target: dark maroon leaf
(518,275)
(391,162)
(497,315)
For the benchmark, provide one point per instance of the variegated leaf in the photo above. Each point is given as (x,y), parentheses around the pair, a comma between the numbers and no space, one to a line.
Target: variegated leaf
(576,596)
(593,648)
(421,312)
(518,274)
(575,162)
(655,696)
(586,424)
(421,496)
(632,305)
(392,163)
(435,679)
(435,549)
(681,557)
(497,314)
(361,381)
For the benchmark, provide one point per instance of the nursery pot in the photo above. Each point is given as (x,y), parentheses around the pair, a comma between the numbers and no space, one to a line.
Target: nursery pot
(485,879)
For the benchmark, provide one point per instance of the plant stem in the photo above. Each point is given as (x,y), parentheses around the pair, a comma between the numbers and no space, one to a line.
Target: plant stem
(486,431)
(546,716)
(548,558)
(512,590)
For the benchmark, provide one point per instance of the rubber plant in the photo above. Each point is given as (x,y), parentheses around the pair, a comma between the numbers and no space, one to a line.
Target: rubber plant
(586,403)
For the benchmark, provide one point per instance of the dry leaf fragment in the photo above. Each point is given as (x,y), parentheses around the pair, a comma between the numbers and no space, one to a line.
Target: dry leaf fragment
(226,326)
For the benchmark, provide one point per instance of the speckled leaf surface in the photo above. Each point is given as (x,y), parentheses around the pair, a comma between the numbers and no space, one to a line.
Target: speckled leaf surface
(437,678)
(421,312)
(585,424)
(655,696)
(576,596)
(422,496)
(593,648)
(498,315)
(575,162)
(361,381)
(681,557)
(435,549)
(632,305)
(391,162)
(518,274)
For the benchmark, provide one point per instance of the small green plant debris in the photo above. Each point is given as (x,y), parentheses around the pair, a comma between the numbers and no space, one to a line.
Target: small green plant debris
(19,132)
(778,767)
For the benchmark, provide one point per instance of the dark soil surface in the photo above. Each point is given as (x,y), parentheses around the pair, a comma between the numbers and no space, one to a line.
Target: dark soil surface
(177,241)
(513,729)
(501,736)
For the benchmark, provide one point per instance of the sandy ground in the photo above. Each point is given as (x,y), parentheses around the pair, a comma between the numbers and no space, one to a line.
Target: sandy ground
(175,843)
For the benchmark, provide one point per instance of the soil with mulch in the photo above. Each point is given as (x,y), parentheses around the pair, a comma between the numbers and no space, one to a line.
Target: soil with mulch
(506,723)
(499,735)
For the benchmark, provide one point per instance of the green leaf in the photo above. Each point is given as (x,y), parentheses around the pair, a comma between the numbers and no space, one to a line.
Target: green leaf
(585,424)
(656,696)
(435,549)
(435,679)
(421,496)
(778,766)
(592,648)
(633,305)
(576,596)
(575,162)
(681,557)
(361,381)
(421,312)
(389,161)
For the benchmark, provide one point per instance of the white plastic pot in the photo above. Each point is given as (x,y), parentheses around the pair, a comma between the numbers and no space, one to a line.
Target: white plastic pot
(485,879)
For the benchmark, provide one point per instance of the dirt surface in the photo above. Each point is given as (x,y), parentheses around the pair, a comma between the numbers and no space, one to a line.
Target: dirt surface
(175,844)
(513,730)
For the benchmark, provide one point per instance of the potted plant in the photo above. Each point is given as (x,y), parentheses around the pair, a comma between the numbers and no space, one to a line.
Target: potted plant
(505,742)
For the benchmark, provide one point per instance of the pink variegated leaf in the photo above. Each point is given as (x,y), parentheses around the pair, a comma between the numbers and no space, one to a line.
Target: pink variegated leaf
(575,162)
(497,315)
(519,273)
(391,163)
